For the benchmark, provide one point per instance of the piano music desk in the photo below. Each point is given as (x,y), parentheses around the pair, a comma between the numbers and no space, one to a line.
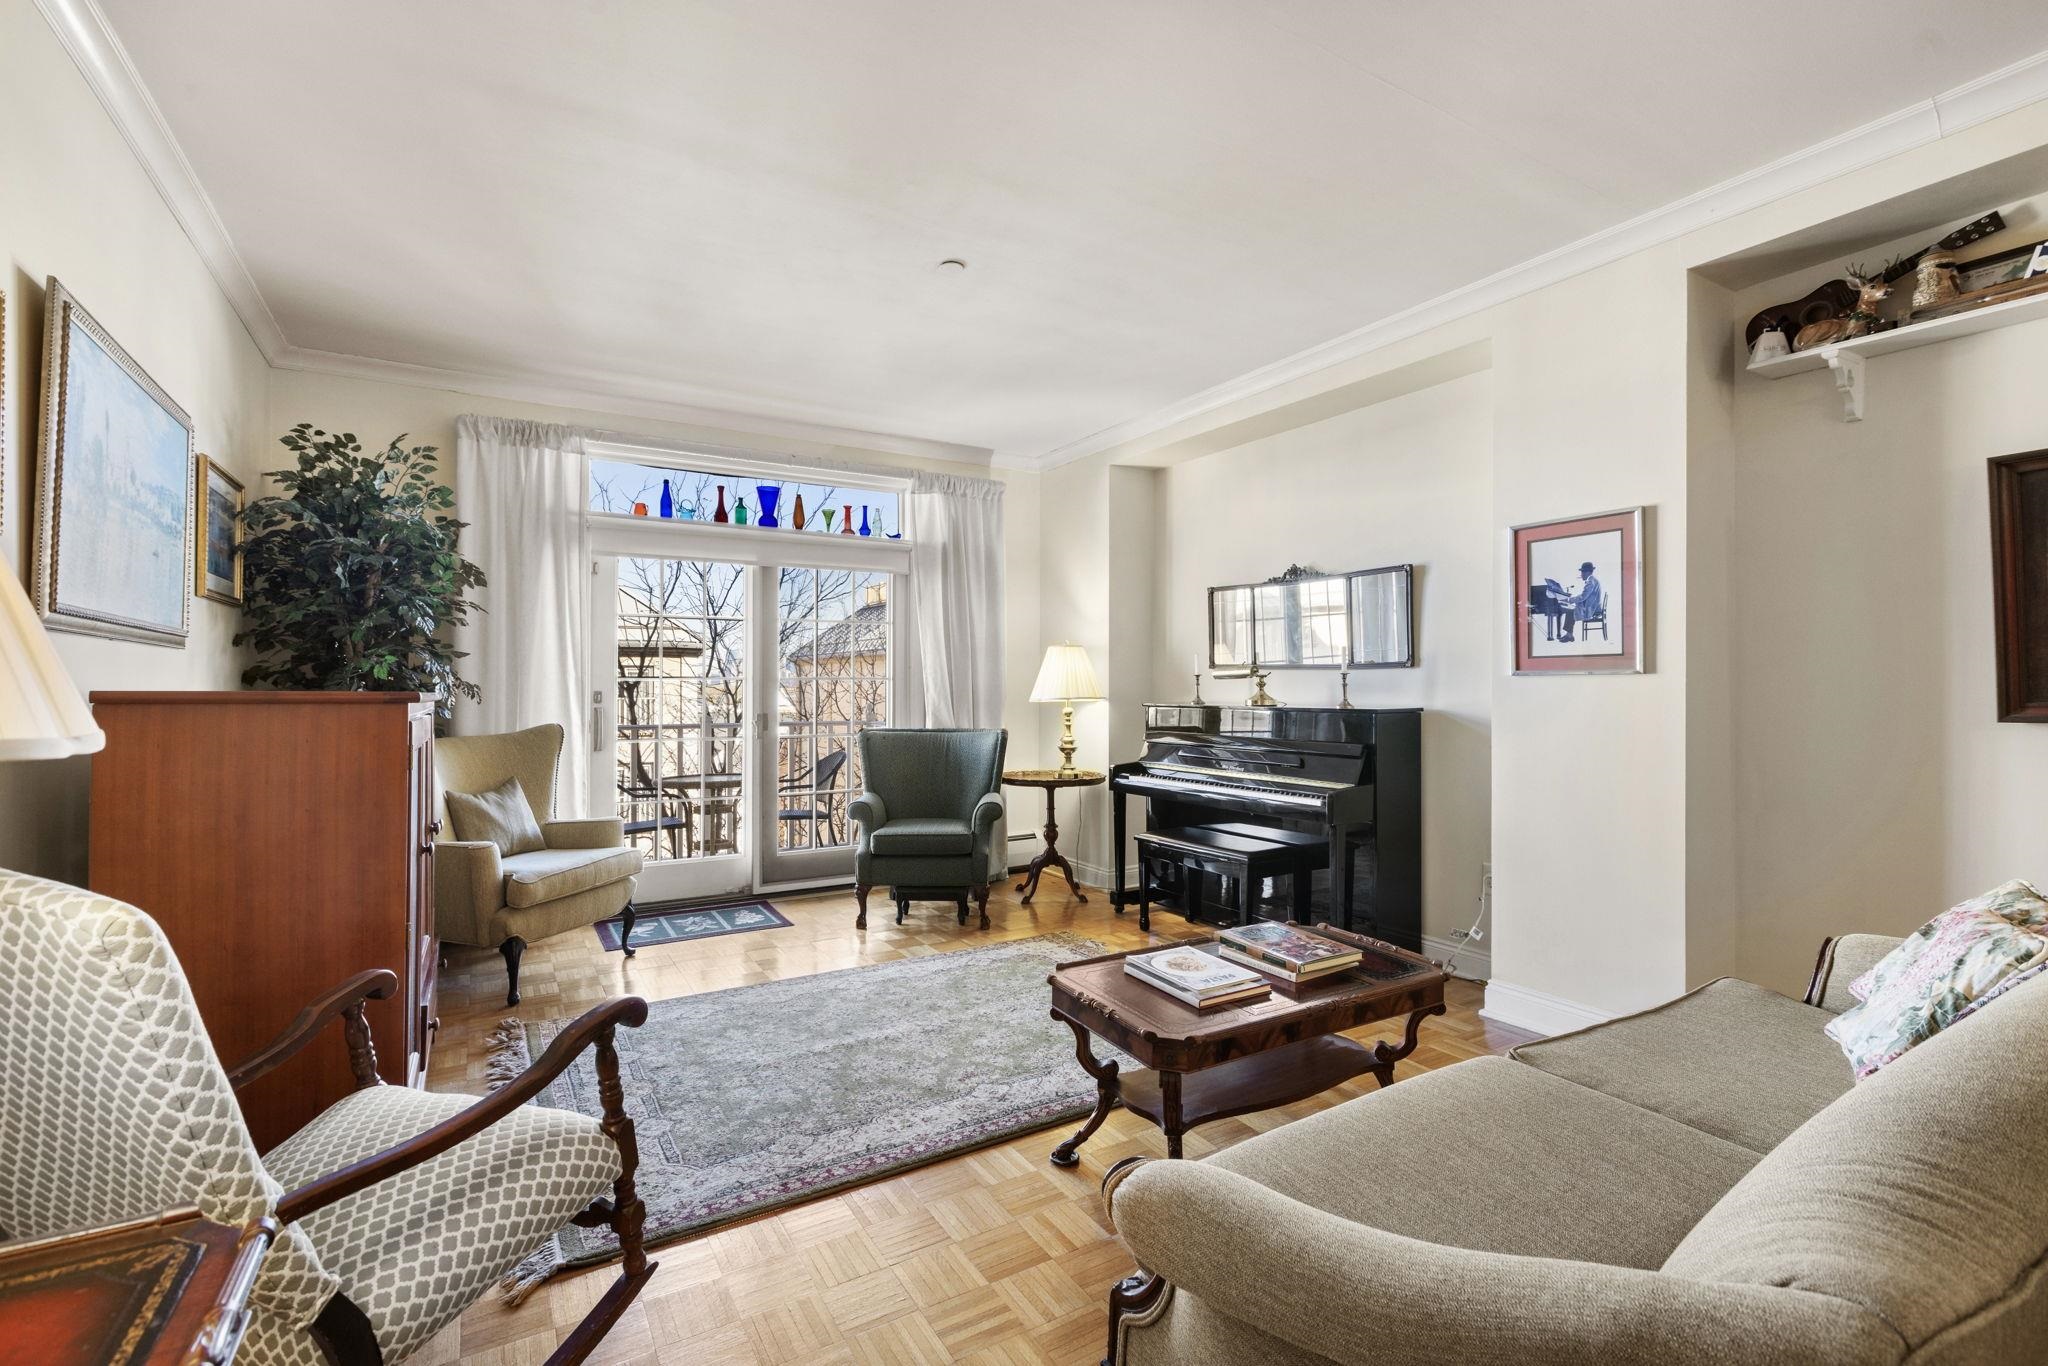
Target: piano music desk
(1202,1065)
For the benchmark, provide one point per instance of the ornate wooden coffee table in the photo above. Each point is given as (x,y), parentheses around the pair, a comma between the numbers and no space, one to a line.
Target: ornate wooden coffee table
(1205,1065)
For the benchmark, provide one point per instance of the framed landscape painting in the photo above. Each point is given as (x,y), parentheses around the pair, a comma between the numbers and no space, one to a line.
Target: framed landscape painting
(113,488)
(1577,591)
(217,551)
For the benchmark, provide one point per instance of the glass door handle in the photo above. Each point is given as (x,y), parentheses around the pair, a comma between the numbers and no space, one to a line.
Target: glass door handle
(597,723)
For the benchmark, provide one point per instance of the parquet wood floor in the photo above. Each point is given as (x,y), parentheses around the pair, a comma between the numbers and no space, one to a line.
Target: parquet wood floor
(992,1257)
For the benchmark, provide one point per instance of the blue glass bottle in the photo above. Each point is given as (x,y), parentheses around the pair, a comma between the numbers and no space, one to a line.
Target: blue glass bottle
(668,500)
(770,496)
(864,520)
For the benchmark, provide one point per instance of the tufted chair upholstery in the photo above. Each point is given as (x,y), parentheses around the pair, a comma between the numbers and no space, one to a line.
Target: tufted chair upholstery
(930,816)
(114,1106)
(505,902)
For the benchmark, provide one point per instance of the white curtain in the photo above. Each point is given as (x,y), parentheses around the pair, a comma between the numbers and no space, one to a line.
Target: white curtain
(955,528)
(524,487)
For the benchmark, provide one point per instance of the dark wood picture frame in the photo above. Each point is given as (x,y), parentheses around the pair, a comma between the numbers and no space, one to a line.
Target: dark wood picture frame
(2019,583)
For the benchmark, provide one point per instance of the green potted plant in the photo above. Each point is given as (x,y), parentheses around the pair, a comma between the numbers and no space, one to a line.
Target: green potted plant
(351,575)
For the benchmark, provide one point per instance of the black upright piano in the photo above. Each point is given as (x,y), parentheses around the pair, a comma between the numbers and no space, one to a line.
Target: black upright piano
(1352,775)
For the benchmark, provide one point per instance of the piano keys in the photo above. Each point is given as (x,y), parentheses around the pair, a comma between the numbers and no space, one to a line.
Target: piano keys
(1352,776)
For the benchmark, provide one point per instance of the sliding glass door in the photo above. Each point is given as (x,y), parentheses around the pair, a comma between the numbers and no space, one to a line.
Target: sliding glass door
(727,777)
(833,637)
(673,701)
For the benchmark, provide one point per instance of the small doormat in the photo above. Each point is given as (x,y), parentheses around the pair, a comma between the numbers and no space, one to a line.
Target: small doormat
(692,922)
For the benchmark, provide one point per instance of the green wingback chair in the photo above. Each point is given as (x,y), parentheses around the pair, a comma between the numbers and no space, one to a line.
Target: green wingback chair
(929,816)
(486,896)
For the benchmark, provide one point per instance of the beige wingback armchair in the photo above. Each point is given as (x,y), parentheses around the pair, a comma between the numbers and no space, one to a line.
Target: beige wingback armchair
(493,899)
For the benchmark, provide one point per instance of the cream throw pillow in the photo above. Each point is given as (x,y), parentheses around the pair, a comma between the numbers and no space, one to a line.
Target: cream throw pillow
(500,816)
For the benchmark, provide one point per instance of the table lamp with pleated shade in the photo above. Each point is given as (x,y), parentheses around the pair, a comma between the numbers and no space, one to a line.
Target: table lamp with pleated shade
(42,714)
(1066,677)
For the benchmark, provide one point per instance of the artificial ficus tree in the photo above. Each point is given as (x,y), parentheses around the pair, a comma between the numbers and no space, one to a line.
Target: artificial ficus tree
(351,577)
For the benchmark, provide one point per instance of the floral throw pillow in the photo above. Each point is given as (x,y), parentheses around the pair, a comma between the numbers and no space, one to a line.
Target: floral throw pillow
(2016,901)
(1953,965)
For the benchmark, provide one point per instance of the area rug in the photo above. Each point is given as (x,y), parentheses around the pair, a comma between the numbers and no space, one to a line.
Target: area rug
(672,925)
(755,1097)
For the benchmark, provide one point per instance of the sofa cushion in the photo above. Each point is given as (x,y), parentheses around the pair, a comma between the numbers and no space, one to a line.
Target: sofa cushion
(500,816)
(1497,1157)
(1918,1195)
(550,874)
(923,837)
(1731,1059)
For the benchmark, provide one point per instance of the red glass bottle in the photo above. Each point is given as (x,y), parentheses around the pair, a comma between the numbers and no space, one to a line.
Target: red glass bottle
(718,514)
(846,521)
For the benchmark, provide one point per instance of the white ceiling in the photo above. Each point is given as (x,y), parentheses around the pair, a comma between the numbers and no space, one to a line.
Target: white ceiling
(744,202)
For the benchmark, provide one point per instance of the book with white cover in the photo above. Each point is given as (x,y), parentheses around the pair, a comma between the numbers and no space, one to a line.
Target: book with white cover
(1199,974)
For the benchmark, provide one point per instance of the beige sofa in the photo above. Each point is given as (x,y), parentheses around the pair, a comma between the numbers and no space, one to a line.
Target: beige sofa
(1699,1183)
(586,873)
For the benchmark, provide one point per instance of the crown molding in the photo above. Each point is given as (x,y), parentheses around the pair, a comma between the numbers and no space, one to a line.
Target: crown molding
(85,33)
(636,401)
(1987,97)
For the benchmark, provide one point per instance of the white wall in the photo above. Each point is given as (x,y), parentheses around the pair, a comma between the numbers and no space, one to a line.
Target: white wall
(1407,480)
(1875,785)
(74,203)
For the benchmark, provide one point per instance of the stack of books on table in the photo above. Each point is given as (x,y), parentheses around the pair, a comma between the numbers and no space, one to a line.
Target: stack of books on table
(1291,956)
(1202,980)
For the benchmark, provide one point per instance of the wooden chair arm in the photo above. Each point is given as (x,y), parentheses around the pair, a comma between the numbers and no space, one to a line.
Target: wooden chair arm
(594,1027)
(376,984)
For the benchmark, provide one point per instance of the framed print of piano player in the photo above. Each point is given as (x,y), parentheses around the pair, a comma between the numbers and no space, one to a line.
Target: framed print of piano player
(1578,594)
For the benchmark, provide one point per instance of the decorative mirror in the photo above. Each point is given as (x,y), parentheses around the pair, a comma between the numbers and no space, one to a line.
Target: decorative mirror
(1382,617)
(1306,619)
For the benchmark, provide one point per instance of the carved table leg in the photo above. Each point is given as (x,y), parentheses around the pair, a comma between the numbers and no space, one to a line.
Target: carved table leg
(1169,1111)
(1384,1057)
(1106,1091)
(1049,857)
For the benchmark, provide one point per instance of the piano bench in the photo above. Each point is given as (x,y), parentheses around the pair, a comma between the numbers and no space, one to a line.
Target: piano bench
(1245,852)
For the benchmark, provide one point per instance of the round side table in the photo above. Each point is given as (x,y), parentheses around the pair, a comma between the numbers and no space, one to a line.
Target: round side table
(1052,780)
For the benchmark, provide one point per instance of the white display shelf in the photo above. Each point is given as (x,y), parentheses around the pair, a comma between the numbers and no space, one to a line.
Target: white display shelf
(1913,334)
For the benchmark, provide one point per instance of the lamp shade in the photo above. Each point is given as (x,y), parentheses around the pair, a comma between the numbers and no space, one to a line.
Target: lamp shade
(1066,676)
(42,715)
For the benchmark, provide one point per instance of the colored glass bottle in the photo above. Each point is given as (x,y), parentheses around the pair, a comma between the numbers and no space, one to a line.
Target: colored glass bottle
(770,496)
(796,513)
(639,509)
(828,514)
(668,500)
(846,520)
(718,514)
(864,520)
(739,511)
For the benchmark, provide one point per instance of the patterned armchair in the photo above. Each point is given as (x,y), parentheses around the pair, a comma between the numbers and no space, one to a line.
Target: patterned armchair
(486,896)
(399,1207)
(929,817)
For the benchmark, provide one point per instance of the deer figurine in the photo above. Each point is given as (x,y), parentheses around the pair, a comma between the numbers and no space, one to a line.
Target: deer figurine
(1869,292)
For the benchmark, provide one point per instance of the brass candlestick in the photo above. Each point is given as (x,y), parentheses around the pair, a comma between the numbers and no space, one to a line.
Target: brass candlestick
(1260,697)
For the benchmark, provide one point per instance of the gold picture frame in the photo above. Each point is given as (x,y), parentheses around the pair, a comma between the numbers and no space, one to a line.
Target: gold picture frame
(113,531)
(220,499)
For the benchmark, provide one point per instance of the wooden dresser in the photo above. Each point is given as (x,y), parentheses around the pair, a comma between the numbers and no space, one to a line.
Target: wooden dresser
(284,841)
